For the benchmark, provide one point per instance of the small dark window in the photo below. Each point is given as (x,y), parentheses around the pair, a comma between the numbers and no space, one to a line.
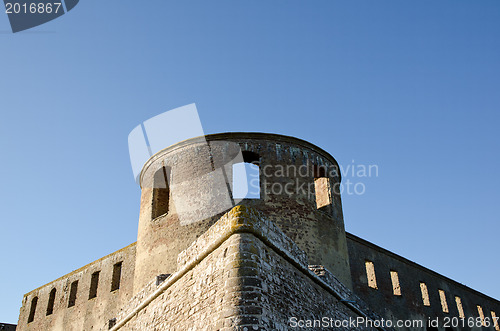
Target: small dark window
(31,317)
(251,157)
(161,192)
(111,323)
(94,282)
(117,273)
(72,293)
(161,278)
(50,304)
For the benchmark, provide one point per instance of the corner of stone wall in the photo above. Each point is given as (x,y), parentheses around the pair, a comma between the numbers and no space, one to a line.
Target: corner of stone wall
(345,293)
(241,306)
(242,219)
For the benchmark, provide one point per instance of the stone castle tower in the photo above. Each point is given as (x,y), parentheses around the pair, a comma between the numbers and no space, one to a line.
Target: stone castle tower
(281,260)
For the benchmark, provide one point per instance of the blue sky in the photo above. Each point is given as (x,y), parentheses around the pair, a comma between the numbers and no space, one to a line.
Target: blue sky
(409,86)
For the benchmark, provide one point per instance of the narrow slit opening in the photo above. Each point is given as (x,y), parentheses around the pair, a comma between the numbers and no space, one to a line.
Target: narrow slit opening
(31,316)
(117,272)
(481,314)
(94,283)
(495,320)
(50,304)
(425,294)
(161,192)
(396,288)
(370,274)
(322,187)
(444,303)
(460,307)
(72,294)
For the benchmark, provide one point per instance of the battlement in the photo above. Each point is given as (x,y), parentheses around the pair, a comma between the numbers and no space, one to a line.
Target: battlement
(397,287)
(83,297)
(187,187)
(238,255)
(262,262)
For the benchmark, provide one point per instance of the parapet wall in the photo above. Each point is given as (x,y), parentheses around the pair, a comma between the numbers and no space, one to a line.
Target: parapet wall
(62,305)
(7,327)
(242,274)
(380,291)
(296,184)
(241,270)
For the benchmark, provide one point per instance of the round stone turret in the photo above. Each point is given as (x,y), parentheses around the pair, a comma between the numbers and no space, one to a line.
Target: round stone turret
(188,186)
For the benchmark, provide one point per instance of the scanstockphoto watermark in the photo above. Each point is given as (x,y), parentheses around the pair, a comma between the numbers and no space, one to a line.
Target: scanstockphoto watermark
(353,323)
(294,179)
(355,176)
(241,176)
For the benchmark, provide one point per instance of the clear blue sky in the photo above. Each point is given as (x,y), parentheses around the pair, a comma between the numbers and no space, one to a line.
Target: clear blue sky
(409,86)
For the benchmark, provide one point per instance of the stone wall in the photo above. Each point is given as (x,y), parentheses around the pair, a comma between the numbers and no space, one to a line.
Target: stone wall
(197,301)
(409,304)
(242,274)
(288,169)
(288,296)
(86,312)
(7,327)
(243,270)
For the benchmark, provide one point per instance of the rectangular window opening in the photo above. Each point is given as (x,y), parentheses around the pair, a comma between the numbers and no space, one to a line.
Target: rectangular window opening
(94,283)
(425,294)
(50,304)
(370,274)
(72,294)
(460,308)
(322,186)
(117,272)
(444,303)
(481,314)
(323,192)
(495,321)
(246,181)
(31,316)
(396,288)
(161,192)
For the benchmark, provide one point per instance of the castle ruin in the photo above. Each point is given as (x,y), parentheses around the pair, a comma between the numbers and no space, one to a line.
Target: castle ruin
(280,261)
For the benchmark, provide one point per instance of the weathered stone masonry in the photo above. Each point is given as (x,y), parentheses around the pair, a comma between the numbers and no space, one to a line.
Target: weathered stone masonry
(255,267)
(410,304)
(234,276)
(86,313)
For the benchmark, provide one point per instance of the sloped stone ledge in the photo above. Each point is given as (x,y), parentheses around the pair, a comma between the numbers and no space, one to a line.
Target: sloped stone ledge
(243,219)
(347,295)
(136,300)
